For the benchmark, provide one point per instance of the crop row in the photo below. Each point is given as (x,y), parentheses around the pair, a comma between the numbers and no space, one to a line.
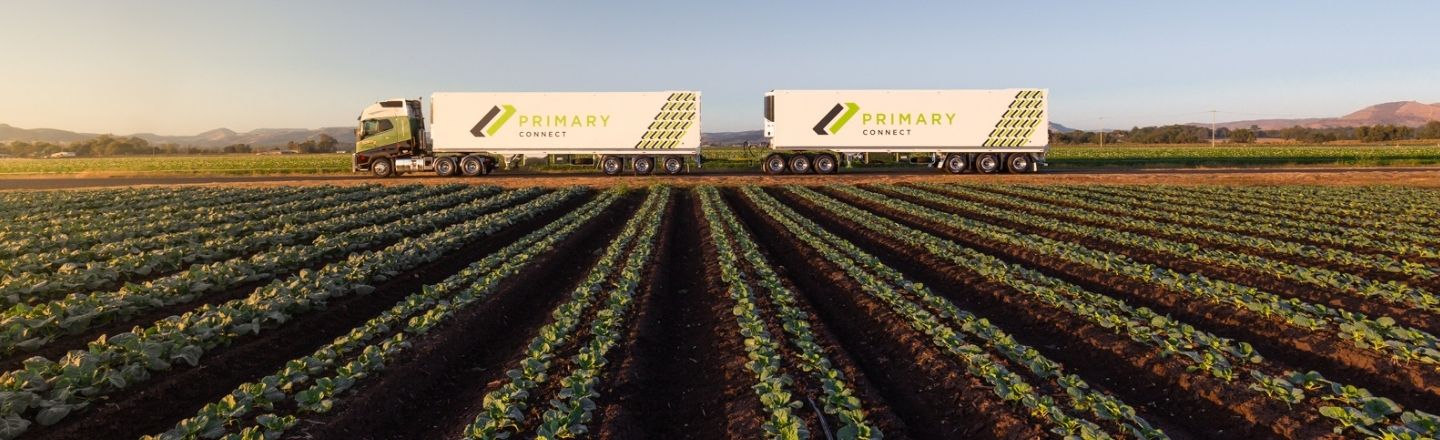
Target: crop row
(735,250)
(315,382)
(87,230)
(967,337)
(1364,207)
(506,410)
(210,244)
(1215,231)
(28,327)
(277,213)
(1381,335)
(1049,219)
(1392,239)
(1206,353)
(45,391)
(45,208)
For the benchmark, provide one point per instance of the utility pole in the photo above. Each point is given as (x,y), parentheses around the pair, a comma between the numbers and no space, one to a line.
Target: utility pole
(1102,131)
(1212,128)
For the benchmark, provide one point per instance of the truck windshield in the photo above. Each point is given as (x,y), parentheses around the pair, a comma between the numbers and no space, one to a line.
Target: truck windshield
(375,126)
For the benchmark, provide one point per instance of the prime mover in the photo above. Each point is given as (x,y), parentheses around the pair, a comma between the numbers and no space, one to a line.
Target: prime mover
(471,134)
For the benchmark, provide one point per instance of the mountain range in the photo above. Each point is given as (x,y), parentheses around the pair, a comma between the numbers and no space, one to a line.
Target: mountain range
(1409,113)
(216,138)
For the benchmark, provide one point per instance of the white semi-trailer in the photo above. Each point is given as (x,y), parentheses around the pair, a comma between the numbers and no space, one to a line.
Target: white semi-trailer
(472,133)
(955,130)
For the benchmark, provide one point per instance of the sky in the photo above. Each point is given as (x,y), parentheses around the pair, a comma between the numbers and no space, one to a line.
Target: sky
(183,67)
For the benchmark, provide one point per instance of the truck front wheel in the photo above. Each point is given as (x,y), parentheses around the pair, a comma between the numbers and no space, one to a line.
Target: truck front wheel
(382,167)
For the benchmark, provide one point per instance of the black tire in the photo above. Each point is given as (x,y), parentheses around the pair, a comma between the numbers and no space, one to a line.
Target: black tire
(825,163)
(988,163)
(775,163)
(471,166)
(956,163)
(1019,163)
(673,165)
(446,167)
(612,165)
(382,167)
(643,165)
(801,164)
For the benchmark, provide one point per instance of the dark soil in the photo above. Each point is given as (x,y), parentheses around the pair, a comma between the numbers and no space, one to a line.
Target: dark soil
(436,390)
(1162,391)
(683,375)
(922,385)
(1325,352)
(1253,277)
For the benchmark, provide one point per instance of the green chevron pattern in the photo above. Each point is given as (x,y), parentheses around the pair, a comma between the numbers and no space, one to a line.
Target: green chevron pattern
(675,119)
(1019,121)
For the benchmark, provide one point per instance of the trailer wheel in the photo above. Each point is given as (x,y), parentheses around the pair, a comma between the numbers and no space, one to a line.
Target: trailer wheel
(611,165)
(1018,163)
(445,166)
(673,165)
(774,164)
(800,163)
(825,164)
(956,163)
(987,163)
(471,166)
(643,165)
(382,167)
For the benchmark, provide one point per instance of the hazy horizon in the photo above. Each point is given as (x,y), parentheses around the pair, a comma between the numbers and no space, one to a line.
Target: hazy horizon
(181,68)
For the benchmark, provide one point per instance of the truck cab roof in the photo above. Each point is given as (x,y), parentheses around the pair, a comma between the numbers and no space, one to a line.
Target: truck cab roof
(392,108)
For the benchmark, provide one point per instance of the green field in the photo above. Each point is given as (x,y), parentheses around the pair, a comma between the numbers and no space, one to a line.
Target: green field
(1126,156)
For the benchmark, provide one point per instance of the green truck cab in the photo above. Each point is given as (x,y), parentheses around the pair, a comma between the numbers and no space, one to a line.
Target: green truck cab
(388,133)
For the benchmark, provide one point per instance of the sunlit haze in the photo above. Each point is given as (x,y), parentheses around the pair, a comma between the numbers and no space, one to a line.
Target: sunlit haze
(181,67)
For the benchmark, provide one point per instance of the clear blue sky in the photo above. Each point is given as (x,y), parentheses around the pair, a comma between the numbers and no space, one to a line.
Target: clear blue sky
(181,67)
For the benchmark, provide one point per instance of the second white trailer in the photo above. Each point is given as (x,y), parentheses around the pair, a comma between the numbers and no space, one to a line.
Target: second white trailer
(955,130)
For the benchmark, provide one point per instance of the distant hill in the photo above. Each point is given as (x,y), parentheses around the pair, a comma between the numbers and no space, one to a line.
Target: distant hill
(216,138)
(11,133)
(1056,127)
(1408,113)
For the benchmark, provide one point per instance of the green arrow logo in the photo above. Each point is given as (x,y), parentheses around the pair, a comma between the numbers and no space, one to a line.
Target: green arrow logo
(825,127)
(486,128)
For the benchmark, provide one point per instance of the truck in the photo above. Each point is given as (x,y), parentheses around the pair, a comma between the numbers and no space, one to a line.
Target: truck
(958,131)
(471,134)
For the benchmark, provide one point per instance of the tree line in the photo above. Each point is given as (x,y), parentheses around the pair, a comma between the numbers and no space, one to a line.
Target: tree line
(110,145)
(1191,134)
